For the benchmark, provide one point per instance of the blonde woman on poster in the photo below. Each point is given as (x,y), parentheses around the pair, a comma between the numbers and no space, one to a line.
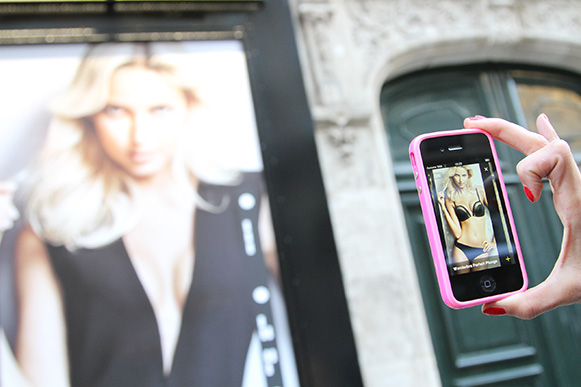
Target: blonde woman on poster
(133,266)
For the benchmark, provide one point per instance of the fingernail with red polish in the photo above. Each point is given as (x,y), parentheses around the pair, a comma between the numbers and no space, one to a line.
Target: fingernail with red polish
(494,311)
(476,118)
(529,194)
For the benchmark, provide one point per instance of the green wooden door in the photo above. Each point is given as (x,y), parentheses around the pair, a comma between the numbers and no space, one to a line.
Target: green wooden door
(473,349)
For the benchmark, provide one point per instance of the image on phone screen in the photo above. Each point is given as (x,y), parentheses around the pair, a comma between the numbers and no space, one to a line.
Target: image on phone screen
(465,216)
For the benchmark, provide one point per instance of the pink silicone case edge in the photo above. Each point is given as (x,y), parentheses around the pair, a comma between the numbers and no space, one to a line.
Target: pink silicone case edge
(432,228)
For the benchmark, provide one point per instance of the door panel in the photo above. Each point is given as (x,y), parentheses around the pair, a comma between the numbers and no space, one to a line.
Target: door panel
(473,349)
(559,96)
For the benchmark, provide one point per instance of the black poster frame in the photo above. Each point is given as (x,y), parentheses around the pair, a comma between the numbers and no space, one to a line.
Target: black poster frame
(313,287)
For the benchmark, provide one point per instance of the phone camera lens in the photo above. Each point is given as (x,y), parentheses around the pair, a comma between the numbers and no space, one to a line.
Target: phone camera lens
(442,150)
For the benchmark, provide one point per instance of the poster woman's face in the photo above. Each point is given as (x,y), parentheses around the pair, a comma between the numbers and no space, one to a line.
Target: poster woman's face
(461,177)
(140,126)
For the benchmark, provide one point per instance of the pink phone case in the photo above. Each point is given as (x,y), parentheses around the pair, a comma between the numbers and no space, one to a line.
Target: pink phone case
(432,226)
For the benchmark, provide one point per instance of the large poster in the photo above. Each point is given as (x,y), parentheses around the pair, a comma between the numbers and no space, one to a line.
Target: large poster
(137,245)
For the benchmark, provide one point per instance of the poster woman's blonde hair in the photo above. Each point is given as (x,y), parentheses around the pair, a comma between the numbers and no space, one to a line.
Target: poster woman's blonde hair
(76,195)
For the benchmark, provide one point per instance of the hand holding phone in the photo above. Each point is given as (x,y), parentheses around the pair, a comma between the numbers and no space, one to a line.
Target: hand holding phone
(547,156)
(468,219)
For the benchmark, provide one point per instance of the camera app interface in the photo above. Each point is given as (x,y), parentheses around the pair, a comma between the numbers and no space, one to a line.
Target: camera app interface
(471,216)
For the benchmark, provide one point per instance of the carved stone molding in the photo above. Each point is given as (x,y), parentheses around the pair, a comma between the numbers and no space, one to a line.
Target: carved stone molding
(399,25)
(340,133)
(425,33)
(317,24)
(348,153)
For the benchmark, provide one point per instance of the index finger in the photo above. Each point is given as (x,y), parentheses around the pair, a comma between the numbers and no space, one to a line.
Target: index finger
(510,133)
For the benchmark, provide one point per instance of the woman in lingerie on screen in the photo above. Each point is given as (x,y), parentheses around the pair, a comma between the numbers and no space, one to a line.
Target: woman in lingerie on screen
(133,269)
(464,207)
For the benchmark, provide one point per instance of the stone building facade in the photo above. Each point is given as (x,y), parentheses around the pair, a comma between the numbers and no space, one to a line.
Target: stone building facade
(348,50)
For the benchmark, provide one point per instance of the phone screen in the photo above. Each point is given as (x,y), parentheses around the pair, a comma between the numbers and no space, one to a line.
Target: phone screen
(472,216)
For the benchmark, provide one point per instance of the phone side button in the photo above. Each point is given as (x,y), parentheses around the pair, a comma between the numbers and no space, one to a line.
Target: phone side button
(419,190)
(416,175)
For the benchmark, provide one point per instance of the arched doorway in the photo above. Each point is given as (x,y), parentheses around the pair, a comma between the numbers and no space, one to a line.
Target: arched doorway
(473,349)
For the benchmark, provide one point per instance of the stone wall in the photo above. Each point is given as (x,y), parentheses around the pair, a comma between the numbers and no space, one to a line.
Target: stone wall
(349,49)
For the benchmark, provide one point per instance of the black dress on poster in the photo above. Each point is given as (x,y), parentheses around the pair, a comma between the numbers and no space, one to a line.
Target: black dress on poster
(113,337)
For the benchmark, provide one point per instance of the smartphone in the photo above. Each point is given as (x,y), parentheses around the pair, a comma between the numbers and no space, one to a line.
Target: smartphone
(468,219)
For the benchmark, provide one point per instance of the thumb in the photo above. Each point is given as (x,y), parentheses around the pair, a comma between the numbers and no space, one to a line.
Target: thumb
(526,305)
(531,303)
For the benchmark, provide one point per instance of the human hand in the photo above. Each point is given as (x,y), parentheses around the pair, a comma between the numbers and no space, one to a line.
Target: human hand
(546,156)
(488,246)
(8,211)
